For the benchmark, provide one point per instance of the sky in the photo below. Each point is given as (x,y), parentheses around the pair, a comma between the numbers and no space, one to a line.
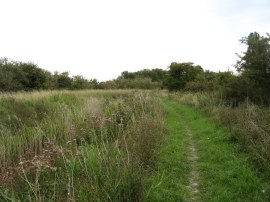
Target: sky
(102,38)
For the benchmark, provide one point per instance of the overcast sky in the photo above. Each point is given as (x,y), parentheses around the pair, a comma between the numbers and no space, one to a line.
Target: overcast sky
(101,38)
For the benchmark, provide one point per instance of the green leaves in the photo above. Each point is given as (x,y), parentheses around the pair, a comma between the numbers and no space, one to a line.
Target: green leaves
(255,65)
(181,73)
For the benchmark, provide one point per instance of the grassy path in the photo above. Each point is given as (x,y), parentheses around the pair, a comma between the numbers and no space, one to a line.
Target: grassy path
(198,163)
(193,161)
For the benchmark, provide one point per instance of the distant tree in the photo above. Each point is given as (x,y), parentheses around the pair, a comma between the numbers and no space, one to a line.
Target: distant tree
(62,80)
(16,76)
(78,82)
(203,82)
(93,84)
(180,74)
(154,74)
(111,84)
(21,76)
(209,75)
(222,79)
(137,83)
(35,77)
(127,75)
(143,79)
(254,64)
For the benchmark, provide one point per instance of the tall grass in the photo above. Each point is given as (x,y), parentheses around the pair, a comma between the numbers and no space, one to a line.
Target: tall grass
(78,146)
(249,124)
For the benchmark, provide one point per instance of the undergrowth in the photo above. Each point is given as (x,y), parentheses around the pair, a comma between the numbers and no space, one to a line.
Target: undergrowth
(248,124)
(78,146)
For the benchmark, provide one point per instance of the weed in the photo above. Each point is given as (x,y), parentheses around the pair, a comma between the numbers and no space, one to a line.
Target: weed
(78,146)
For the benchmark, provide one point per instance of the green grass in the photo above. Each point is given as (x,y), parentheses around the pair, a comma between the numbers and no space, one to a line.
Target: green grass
(248,122)
(171,179)
(110,146)
(79,145)
(224,173)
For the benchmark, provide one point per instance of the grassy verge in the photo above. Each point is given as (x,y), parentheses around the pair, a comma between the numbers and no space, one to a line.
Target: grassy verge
(171,179)
(248,124)
(225,173)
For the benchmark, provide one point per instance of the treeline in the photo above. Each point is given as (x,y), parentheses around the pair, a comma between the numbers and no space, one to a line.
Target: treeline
(20,76)
(252,80)
(143,79)
(251,83)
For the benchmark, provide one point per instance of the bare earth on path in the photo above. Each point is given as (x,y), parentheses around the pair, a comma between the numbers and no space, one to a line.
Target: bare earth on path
(194,173)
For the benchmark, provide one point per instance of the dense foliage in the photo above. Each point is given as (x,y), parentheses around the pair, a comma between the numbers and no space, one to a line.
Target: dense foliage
(156,75)
(180,74)
(20,76)
(251,83)
(254,67)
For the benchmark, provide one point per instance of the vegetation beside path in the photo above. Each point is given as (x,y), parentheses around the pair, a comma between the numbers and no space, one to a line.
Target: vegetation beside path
(111,146)
(224,173)
(171,181)
(78,146)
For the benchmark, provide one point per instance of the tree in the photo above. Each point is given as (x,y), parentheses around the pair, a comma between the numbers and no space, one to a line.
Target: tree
(78,82)
(62,81)
(154,74)
(127,75)
(36,78)
(12,75)
(93,84)
(180,74)
(254,64)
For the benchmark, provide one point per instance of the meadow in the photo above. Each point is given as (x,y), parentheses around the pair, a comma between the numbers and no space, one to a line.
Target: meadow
(78,146)
(131,145)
